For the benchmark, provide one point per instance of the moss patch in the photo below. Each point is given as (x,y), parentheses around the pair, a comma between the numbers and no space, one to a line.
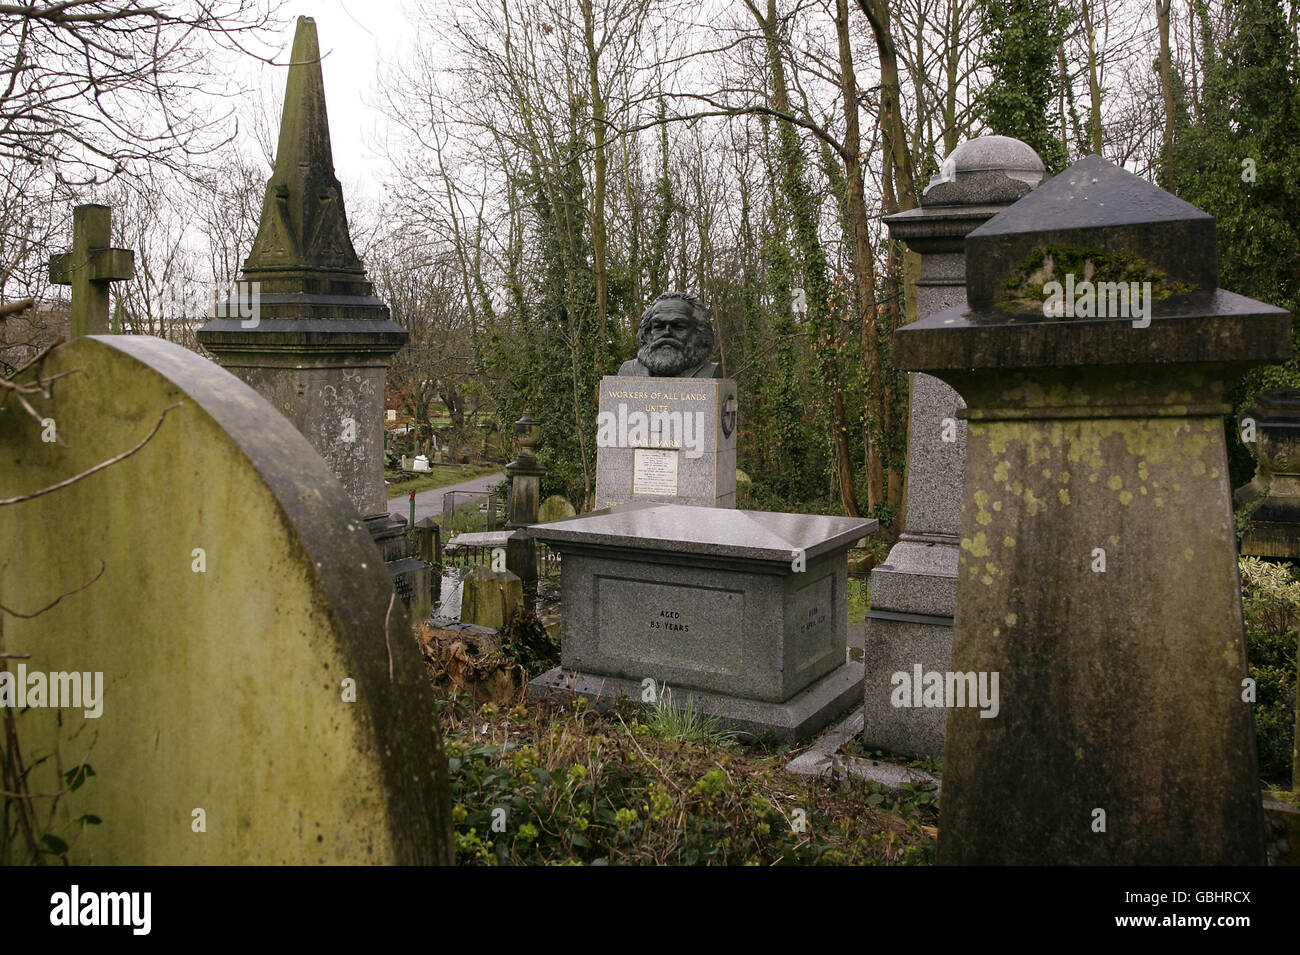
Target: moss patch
(1024,290)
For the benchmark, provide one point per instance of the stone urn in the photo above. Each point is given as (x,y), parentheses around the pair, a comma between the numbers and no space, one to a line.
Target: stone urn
(1271,501)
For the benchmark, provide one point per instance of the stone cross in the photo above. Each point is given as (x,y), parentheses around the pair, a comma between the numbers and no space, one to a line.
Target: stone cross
(90,267)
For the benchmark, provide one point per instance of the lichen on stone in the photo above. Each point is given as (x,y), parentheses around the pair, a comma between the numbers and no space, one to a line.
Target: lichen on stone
(1052,263)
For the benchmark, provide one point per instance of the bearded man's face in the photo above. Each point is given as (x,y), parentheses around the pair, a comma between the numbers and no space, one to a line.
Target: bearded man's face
(672,341)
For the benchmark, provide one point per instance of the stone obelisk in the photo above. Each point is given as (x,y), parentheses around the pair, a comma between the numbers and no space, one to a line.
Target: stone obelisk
(303,327)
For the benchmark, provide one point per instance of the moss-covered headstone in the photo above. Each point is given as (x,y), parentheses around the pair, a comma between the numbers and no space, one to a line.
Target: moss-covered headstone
(261,699)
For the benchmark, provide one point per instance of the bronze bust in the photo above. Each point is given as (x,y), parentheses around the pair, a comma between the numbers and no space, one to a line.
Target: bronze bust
(676,339)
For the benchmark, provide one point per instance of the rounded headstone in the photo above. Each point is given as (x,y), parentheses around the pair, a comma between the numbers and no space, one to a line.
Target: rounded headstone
(555,508)
(238,613)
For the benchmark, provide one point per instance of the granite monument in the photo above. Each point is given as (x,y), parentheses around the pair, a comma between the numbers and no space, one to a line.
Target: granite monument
(742,614)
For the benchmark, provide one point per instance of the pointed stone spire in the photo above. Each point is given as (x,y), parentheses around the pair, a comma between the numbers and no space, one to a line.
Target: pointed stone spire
(303,237)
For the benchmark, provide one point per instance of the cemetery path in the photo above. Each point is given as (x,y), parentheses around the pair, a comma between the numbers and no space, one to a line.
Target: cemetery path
(429,503)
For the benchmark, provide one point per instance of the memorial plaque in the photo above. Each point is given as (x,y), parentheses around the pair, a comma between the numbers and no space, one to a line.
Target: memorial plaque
(812,633)
(671,625)
(654,472)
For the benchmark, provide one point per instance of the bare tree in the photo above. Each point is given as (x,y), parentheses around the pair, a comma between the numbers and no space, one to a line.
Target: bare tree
(99,87)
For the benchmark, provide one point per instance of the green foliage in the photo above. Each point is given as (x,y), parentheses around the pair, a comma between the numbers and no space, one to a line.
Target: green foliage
(1023,37)
(30,830)
(1270,595)
(526,642)
(1236,159)
(554,356)
(1025,287)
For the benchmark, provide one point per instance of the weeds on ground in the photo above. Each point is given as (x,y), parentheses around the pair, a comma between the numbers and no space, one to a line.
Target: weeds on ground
(558,784)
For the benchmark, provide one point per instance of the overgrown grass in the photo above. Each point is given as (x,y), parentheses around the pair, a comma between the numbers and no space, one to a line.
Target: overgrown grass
(559,784)
(682,724)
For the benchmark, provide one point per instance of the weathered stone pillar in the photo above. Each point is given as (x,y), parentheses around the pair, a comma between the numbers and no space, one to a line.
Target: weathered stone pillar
(914,591)
(525,491)
(1098,574)
(303,328)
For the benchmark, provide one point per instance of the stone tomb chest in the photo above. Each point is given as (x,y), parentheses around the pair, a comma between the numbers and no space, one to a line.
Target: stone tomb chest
(666,441)
(742,613)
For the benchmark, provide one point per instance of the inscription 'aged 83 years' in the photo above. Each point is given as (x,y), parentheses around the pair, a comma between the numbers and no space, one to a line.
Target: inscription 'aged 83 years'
(669,620)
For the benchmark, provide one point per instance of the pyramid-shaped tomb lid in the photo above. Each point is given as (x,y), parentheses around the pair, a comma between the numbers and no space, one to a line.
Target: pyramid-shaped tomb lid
(1094,205)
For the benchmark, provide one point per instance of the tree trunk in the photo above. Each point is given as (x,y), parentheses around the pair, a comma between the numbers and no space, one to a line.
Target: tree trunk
(1167,92)
(599,160)
(864,272)
(899,193)
(816,287)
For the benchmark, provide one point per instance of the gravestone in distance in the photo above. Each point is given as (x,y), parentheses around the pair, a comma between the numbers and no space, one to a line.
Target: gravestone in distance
(90,268)
(1098,570)
(525,488)
(742,614)
(490,598)
(555,508)
(262,701)
(914,592)
(666,429)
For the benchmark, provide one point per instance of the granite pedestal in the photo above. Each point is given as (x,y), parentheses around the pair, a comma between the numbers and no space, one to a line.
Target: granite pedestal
(1098,571)
(913,593)
(666,440)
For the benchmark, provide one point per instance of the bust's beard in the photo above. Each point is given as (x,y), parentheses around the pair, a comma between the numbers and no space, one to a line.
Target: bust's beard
(667,359)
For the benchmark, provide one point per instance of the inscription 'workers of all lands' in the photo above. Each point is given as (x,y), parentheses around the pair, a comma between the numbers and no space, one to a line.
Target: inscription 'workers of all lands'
(657,395)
